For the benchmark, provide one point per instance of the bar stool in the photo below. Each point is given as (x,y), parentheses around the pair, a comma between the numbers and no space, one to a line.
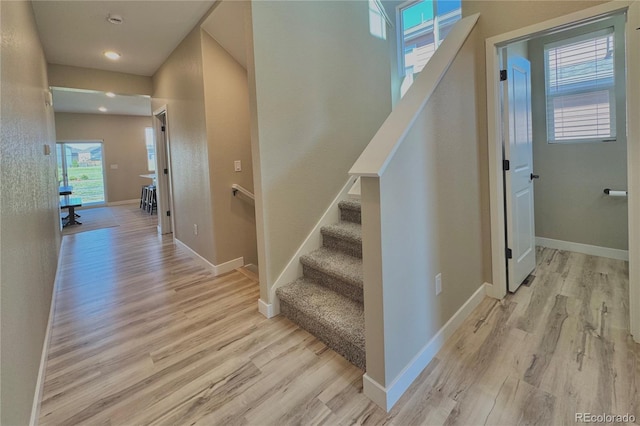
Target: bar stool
(143,197)
(151,203)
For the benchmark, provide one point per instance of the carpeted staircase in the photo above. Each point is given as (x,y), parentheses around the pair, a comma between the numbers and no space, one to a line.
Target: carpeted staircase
(327,300)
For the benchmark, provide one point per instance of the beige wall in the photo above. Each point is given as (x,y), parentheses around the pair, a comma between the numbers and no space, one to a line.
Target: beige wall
(124,146)
(179,85)
(321,90)
(29,218)
(428,202)
(103,81)
(229,139)
(498,17)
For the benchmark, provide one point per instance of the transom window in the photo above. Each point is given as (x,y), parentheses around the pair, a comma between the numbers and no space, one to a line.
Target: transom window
(580,88)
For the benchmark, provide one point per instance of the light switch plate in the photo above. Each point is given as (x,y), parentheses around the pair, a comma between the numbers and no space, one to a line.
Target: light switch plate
(237,166)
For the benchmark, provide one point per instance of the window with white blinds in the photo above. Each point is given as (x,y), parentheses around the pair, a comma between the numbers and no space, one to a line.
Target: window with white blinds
(580,88)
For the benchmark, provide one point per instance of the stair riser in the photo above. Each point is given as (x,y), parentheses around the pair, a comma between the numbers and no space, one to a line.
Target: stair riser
(350,352)
(349,247)
(350,215)
(348,290)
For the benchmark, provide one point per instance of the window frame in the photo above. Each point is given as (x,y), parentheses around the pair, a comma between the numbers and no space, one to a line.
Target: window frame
(400,45)
(610,88)
(150,130)
(376,8)
(539,99)
(64,166)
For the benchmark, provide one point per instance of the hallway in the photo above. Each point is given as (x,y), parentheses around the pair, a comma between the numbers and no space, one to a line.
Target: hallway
(143,334)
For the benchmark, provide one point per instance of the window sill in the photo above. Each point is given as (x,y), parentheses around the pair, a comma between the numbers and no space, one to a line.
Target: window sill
(582,141)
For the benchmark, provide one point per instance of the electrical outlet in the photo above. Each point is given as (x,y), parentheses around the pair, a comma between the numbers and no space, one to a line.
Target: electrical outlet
(195,229)
(438,284)
(237,166)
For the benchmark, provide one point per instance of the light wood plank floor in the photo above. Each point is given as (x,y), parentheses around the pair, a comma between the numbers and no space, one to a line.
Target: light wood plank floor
(143,334)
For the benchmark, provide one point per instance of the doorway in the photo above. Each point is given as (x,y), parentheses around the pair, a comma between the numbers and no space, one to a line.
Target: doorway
(498,288)
(163,172)
(564,115)
(81,165)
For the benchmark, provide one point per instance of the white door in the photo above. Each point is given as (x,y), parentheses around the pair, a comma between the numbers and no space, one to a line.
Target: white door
(518,150)
(163,173)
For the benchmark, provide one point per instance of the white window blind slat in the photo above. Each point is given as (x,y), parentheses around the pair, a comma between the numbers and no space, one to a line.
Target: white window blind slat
(579,80)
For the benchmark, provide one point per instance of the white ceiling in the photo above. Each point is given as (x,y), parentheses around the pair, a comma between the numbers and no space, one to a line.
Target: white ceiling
(226,26)
(88,101)
(77,32)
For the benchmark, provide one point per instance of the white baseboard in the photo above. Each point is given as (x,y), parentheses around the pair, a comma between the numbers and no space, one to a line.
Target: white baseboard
(124,202)
(583,248)
(493,292)
(229,266)
(293,270)
(375,392)
(37,397)
(252,267)
(269,310)
(223,268)
(387,397)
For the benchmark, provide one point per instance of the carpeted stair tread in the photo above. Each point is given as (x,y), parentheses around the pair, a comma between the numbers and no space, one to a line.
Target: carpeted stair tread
(350,211)
(335,264)
(343,230)
(334,312)
(350,205)
(337,268)
(328,300)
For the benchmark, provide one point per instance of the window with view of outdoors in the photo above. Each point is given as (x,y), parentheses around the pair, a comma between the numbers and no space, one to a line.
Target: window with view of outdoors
(580,88)
(423,26)
(80,166)
(377,22)
(151,150)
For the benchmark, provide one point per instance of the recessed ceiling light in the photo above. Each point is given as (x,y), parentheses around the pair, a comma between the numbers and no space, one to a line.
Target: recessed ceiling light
(110,94)
(112,55)
(115,19)
(102,109)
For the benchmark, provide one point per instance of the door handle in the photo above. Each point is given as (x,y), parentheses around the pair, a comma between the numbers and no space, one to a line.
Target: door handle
(534,176)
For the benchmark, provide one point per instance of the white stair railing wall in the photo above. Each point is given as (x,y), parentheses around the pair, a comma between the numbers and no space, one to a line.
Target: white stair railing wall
(420,196)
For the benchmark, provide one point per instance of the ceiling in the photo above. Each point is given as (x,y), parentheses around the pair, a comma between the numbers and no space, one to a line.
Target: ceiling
(77,32)
(88,101)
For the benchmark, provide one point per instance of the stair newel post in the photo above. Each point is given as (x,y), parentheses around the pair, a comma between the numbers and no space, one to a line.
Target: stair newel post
(372,280)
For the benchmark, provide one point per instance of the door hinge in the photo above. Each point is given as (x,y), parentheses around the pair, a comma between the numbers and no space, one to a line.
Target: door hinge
(506,165)
(509,254)
(166,171)
(503,75)
(168,212)
(162,128)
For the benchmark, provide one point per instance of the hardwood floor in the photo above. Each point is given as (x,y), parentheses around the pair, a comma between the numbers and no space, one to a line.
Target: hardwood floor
(143,334)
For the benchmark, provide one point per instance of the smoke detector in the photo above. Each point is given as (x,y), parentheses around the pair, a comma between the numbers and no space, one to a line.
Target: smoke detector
(115,19)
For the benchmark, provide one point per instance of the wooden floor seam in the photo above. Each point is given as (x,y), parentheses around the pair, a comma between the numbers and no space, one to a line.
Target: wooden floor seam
(143,334)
